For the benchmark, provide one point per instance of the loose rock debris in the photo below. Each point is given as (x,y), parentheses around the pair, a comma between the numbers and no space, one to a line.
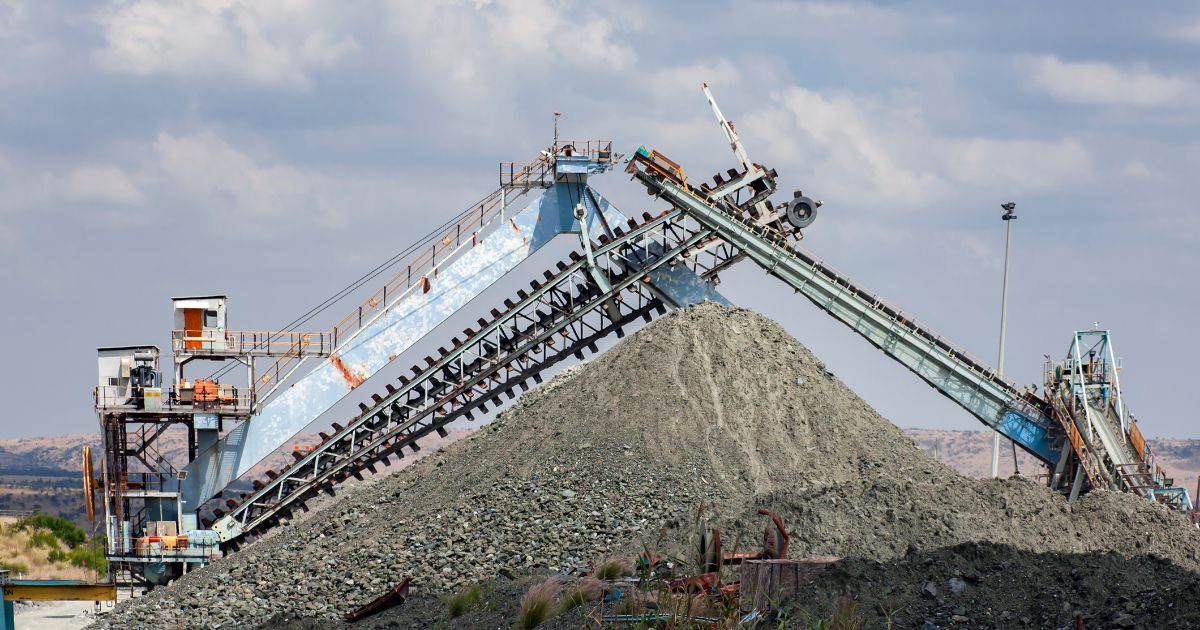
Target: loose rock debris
(721,407)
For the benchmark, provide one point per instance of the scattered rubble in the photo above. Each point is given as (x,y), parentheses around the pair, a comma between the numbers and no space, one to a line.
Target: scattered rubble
(720,407)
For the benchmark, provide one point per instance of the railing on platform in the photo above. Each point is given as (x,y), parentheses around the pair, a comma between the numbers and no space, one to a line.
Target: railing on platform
(526,175)
(215,398)
(463,233)
(253,343)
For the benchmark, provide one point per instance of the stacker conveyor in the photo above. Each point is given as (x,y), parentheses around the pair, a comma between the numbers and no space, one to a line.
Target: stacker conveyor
(621,271)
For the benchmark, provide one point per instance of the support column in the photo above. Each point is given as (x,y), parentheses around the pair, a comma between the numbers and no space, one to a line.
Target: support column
(1064,454)
(1079,474)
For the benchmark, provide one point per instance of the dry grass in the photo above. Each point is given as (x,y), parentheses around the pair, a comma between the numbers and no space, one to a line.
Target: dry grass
(845,616)
(463,600)
(611,569)
(26,554)
(538,605)
(586,590)
(630,606)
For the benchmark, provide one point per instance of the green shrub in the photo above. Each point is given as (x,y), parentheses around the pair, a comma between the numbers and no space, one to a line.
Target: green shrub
(13,566)
(537,605)
(91,557)
(461,601)
(42,538)
(57,555)
(64,530)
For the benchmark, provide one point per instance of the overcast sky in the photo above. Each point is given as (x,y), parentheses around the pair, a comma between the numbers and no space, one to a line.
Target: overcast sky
(275,150)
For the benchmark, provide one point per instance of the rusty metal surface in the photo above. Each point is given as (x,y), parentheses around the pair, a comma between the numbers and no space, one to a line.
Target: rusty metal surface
(775,543)
(58,590)
(392,598)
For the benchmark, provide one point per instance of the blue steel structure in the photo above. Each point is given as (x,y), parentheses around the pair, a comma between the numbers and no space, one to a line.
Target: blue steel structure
(986,394)
(1079,427)
(501,244)
(624,270)
(1084,390)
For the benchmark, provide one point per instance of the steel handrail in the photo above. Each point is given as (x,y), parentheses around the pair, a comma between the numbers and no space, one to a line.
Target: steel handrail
(416,273)
(427,258)
(245,341)
(116,397)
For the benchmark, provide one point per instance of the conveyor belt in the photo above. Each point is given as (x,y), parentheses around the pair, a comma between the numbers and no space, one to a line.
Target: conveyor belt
(564,316)
(1085,393)
(1100,439)
(993,399)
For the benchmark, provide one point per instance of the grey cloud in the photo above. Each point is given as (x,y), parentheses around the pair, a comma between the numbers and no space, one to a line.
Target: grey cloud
(275,153)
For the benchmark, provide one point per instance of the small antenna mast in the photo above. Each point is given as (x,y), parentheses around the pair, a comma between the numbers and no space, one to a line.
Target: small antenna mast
(735,143)
(556,115)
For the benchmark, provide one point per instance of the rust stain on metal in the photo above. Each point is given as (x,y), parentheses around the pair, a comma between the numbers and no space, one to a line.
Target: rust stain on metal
(352,379)
(394,597)
(775,544)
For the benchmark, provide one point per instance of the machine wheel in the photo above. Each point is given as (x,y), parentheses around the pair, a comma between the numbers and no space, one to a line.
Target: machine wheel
(89,484)
(801,211)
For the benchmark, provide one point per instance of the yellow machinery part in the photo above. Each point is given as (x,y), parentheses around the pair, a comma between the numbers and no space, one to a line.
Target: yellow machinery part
(60,592)
(89,484)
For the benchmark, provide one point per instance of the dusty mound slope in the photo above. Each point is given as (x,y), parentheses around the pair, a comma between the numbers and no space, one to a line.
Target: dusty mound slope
(708,404)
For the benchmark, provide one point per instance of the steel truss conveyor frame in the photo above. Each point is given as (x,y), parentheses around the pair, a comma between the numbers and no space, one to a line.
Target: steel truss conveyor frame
(587,299)
(706,230)
(987,395)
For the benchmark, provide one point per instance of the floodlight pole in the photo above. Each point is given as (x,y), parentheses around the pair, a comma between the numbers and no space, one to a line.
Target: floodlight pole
(1008,218)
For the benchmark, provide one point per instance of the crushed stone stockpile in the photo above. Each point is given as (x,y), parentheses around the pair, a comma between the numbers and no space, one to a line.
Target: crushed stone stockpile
(722,407)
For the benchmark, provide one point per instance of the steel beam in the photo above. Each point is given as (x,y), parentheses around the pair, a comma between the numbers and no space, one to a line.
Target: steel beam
(38,591)
(551,321)
(502,248)
(977,388)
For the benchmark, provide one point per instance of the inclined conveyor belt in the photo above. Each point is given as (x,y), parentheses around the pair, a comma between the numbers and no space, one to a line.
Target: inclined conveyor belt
(993,399)
(584,301)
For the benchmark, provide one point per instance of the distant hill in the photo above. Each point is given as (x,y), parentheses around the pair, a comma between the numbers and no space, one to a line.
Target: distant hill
(50,453)
(59,455)
(970,453)
(44,474)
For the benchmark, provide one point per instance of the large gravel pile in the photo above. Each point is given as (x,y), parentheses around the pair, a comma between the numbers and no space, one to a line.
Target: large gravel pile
(711,405)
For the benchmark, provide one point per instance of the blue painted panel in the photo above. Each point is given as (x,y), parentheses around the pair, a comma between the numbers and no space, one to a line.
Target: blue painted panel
(1032,435)
(678,283)
(506,246)
(389,335)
